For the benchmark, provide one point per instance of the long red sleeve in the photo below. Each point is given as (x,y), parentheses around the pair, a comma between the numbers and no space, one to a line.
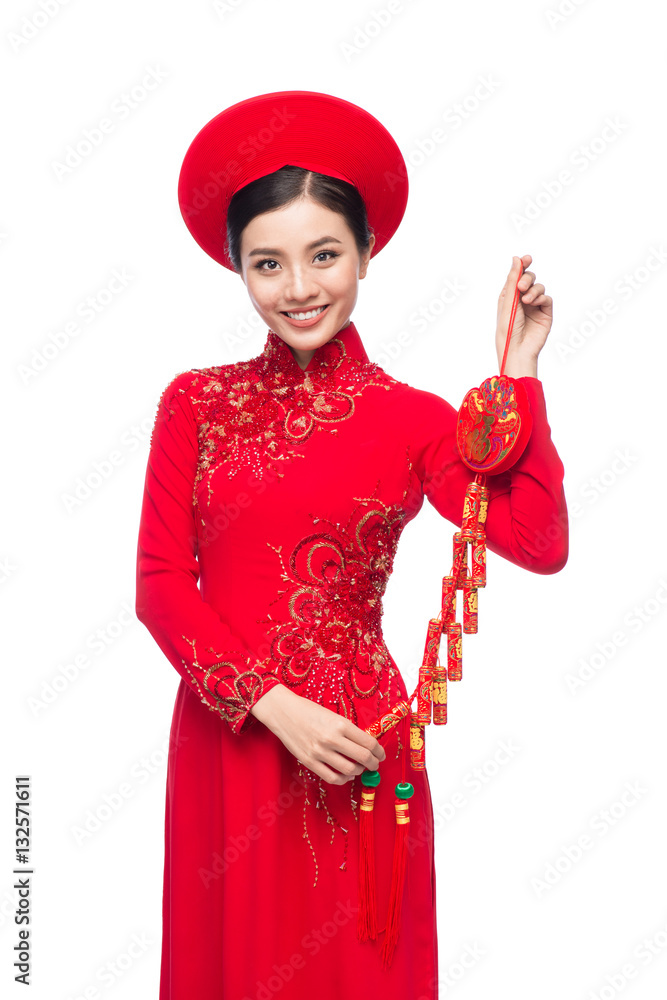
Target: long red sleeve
(228,678)
(527,520)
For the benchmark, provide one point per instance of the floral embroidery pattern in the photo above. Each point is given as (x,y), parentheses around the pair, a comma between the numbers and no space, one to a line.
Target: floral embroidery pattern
(230,686)
(257,412)
(330,648)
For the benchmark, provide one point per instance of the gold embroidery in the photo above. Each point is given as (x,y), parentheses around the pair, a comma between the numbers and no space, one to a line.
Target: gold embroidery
(234,691)
(256,413)
(330,648)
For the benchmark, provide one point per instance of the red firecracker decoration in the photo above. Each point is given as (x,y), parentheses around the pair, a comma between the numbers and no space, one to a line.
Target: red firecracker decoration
(493,427)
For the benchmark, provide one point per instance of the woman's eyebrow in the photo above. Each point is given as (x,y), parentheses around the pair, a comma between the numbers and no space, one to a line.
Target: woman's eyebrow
(276,253)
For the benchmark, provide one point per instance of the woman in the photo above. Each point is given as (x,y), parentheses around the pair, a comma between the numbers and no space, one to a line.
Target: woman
(282,484)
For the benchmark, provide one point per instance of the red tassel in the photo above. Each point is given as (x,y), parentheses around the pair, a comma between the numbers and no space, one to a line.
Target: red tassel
(403,792)
(367,916)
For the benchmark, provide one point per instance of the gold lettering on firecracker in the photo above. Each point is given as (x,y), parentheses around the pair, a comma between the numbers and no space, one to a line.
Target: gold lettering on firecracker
(483,508)
(416,739)
(471,600)
(439,692)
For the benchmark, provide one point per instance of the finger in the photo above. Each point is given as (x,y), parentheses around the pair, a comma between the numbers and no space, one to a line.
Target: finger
(533,294)
(359,737)
(329,774)
(512,282)
(362,755)
(526,280)
(340,762)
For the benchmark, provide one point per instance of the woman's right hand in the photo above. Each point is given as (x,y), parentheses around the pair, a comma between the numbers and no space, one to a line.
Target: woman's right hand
(327,743)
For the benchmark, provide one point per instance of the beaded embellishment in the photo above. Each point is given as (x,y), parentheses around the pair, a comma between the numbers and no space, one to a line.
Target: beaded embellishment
(329,647)
(256,413)
(230,685)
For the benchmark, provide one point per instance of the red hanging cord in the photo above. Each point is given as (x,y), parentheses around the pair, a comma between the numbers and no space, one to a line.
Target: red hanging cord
(515,303)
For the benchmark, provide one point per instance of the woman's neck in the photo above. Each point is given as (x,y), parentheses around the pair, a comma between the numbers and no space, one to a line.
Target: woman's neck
(303,358)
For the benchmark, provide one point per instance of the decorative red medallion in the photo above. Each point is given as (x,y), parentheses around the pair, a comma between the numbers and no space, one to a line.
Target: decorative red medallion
(494,424)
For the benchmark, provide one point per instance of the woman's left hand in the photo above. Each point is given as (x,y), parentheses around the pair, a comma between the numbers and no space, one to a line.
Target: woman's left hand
(532,321)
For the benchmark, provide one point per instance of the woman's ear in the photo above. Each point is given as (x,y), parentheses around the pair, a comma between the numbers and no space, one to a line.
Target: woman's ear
(366,256)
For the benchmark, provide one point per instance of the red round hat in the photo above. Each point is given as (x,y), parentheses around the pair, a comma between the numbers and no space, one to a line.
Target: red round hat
(300,127)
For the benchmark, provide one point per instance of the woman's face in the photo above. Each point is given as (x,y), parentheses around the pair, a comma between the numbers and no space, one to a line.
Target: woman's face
(299,258)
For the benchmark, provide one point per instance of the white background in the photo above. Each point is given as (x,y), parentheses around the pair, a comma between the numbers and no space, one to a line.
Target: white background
(553,84)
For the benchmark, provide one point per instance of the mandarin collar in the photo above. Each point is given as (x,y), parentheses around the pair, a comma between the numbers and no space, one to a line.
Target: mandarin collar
(327,357)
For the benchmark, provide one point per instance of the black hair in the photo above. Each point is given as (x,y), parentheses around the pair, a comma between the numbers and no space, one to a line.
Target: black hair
(286,185)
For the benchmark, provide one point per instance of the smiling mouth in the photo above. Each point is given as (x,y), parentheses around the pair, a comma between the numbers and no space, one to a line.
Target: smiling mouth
(306,314)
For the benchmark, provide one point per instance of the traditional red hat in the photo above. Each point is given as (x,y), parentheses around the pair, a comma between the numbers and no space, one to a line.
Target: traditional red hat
(300,127)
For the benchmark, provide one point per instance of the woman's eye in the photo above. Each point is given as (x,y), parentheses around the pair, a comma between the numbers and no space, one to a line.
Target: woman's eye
(322,257)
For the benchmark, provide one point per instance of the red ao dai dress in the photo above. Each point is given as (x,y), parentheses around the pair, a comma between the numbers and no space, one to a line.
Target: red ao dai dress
(273,504)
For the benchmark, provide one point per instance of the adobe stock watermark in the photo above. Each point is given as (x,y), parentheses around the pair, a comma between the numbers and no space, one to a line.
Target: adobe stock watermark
(220,516)
(376,22)
(311,943)
(33,24)
(418,322)
(86,485)
(597,486)
(88,309)
(471,784)
(223,7)
(643,954)
(599,825)
(453,118)
(410,673)
(596,317)
(634,621)
(244,329)
(114,969)
(456,971)
(562,12)
(111,802)
(7,569)
(252,143)
(237,844)
(94,136)
(581,159)
(248,326)
(98,642)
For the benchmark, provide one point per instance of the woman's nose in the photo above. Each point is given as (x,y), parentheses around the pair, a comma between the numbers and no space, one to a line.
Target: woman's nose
(299,287)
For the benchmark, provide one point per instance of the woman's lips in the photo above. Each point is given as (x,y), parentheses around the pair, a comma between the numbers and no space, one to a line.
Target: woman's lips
(306,322)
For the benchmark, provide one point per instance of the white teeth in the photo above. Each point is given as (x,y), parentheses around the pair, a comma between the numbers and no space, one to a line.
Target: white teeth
(306,315)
